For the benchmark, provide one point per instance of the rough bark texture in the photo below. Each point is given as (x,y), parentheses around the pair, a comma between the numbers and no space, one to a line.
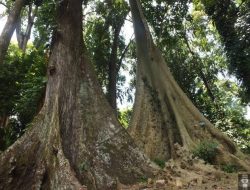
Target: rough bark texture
(163,114)
(9,28)
(75,140)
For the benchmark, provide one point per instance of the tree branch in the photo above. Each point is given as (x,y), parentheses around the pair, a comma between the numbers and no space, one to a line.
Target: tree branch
(123,54)
(242,3)
(1,3)
(202,75)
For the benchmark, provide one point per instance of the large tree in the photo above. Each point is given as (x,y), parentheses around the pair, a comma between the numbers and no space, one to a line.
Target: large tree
(10,27)
(75,140)
(163,114)
(195,61)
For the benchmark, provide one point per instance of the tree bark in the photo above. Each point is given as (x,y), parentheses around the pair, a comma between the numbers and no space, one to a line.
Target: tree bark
(113,70)
(75,140)
(163,114)
(9,28)
(4,120)
(23,37)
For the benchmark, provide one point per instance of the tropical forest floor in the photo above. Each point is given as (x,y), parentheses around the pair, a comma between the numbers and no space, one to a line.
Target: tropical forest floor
(189,173)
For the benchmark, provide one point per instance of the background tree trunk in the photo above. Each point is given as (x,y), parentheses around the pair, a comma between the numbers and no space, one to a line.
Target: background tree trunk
(23,37)
(4,120)
(9,28)
(75,139)
(113,70)
(163,114)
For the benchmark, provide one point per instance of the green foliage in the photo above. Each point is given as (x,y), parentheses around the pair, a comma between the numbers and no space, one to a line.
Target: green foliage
(206,150)
(9,134)
(44,25)
(232,23)
(159,162)
(124,117)
(229,168)
(100,29)
(32,88)
(143,179)
(210,5)
(12,73)
(22,84)
(83,167)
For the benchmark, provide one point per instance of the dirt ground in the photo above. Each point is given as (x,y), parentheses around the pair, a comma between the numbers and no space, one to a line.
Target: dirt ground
(187,172)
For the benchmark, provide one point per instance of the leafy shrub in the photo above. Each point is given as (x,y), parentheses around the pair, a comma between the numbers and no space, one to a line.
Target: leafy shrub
(124,117)
(206,150)
(160,162)
(9,134)
(22,87)
(84,167)
(229,168)
(143,179)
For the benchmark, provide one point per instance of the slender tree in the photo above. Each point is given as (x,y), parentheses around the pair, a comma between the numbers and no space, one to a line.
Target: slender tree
(108,46)
(10,27)
(112,75)
(75,139)
(23,37)
(163,114)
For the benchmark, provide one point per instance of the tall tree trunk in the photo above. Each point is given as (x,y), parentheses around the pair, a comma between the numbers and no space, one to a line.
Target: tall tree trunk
(113,70)
(75,139)
(23,37)
(163,114)
(9,28)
